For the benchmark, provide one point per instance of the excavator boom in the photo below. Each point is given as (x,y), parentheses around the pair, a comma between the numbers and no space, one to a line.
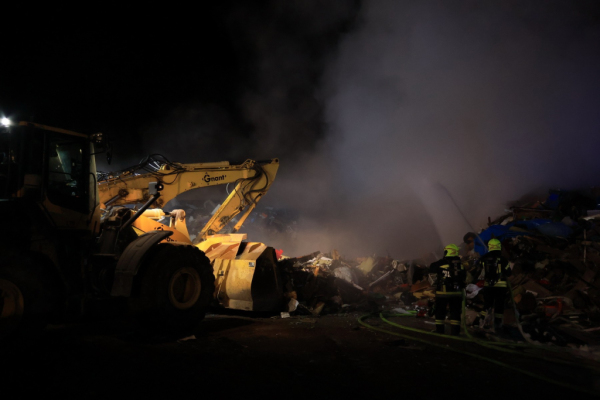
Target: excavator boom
(252,180)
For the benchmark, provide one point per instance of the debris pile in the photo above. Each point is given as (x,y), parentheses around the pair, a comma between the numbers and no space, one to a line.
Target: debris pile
(325,283)
(554,251)
(321,283)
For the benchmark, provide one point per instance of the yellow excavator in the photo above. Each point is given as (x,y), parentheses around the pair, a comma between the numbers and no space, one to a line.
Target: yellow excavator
(74,239)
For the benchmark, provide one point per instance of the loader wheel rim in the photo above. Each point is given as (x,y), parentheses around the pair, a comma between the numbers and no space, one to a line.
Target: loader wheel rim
(12,305)
(184,288)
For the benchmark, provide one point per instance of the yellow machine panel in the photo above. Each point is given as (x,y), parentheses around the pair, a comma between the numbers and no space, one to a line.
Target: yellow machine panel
(235,265)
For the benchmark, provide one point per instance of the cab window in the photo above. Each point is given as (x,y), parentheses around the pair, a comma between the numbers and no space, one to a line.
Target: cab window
(67,172)
(8,165)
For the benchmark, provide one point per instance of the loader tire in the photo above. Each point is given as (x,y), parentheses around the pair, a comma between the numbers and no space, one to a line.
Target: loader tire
(175,289)
(27,300)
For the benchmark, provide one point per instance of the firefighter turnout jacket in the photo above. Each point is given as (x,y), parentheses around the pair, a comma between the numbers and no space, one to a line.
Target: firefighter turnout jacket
(494,269)
(451,276)
(449,288)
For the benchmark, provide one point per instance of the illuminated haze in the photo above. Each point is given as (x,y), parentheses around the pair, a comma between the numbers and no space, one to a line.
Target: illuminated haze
(416,103)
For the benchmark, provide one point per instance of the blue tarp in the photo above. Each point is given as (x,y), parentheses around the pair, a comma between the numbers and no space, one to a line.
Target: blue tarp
(500,232)
(553,200)
(503,232)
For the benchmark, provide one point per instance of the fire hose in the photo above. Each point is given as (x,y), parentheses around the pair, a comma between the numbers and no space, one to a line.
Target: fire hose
(491,345)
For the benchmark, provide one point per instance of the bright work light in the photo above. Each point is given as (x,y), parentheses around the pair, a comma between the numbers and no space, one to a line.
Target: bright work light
(5,121)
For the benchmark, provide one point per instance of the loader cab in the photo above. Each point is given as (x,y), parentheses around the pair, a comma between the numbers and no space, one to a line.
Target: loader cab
(67,172)
(51,167)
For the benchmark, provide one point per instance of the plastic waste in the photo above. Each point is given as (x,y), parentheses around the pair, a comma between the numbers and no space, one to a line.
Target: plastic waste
(472,290)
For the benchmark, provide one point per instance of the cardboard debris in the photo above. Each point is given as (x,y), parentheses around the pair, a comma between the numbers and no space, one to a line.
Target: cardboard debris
(424,284)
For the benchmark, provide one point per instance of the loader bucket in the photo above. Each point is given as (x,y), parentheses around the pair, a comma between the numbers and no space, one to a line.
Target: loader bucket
(246,273)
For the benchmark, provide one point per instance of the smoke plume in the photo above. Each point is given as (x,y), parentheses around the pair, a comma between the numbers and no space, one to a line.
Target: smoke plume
(438,109)
(400,126)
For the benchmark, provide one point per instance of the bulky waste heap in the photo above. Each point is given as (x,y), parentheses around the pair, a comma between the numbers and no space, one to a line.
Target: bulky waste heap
(554,251)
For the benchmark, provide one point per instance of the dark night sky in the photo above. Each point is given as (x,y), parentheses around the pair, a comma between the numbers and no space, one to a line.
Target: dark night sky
(372,106)
(116,75)
(123,76)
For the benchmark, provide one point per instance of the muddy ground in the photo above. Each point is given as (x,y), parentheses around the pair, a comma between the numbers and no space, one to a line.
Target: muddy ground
(299,357)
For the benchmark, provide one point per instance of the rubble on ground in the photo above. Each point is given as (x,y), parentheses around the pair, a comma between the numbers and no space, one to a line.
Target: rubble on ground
(327,283)
(553,247)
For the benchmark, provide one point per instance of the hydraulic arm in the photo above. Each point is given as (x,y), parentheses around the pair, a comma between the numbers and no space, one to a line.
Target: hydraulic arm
(252,179)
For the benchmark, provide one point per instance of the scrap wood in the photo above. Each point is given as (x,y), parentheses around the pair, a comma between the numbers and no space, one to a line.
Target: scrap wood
(423,284)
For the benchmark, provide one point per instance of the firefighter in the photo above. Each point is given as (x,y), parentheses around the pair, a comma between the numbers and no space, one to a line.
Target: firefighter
(494,271)
(449,287)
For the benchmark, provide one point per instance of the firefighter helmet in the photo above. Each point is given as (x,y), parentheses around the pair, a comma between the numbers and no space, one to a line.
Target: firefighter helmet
(451,250)
(494,244)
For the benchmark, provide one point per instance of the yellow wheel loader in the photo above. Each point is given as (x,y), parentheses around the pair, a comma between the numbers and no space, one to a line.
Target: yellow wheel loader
(73,239)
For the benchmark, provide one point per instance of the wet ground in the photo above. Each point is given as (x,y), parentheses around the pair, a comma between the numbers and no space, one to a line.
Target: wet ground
(298,357)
